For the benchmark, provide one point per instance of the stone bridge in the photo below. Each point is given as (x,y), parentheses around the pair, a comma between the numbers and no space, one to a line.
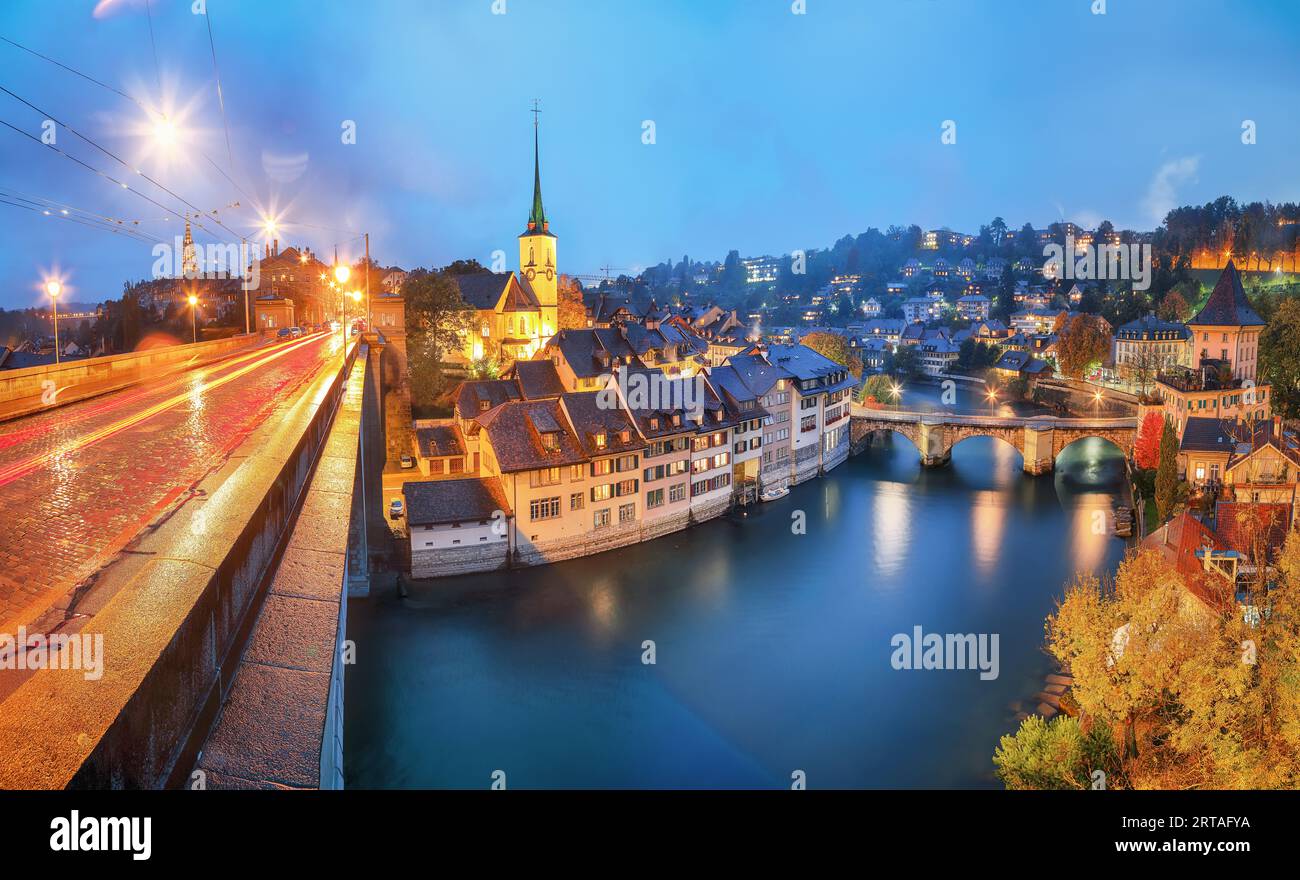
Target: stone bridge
(1039,438)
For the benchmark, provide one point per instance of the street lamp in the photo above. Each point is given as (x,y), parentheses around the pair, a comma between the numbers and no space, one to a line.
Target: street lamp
(194,326)
(53,288)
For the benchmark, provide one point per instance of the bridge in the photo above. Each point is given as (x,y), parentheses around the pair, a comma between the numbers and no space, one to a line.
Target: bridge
(1039,439)
(182,528)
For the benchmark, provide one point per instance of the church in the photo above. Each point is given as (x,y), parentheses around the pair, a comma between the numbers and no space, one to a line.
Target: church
(516,312)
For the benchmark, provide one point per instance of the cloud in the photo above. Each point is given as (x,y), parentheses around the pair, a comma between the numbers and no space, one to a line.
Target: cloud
(1162,192)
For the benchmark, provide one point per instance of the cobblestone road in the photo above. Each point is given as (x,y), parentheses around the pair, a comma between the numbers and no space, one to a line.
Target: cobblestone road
(79,482)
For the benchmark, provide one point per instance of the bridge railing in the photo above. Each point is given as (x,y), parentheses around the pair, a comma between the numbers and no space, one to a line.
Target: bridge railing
(912,416)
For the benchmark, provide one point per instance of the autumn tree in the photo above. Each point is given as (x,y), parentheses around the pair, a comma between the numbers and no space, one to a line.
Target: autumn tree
(1167,472)
(1147,448)
(1082,342)
(834,347)
(1173,307)
(572,312)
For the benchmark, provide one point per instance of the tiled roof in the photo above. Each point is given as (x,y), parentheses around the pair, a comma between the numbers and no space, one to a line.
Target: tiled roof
(1201,434)
(595,351)
(538,379)
(471,396)
(1227,305)
(515,431)
(1247,526)
(440,440)
(447,501)
(591,419)
(1148,325)
(483,290)
(1178,542)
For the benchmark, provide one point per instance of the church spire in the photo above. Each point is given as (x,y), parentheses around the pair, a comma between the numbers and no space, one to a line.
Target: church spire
(537,217)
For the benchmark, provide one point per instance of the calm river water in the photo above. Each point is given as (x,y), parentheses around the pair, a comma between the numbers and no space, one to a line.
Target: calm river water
(772,649)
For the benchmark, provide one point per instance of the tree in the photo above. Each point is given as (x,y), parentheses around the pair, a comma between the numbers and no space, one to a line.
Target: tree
(1082,343)
(904,363)
(1279,358)
(1167,472)
(1147,449)
(572,312)
(1055,755)
(836,348)
(878,388)
(1173,307)
(437,320)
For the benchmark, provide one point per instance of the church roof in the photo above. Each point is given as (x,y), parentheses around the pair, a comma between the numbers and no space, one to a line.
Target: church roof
(1227,305)
(483,290)
(537,224)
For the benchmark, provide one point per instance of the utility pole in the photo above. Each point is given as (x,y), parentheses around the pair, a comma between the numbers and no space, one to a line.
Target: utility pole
(369,323)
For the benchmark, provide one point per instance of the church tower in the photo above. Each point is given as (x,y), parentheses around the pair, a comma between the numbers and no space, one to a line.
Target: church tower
(189,260)
(537,250)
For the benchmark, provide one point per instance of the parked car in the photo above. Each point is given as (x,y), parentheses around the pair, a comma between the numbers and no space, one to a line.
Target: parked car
(295,332)
(408,462)
(395,509)
(284,332)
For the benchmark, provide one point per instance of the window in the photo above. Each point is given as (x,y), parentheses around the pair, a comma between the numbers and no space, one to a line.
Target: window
(677,492)
(654,498)
(625,488)
(550,441)
(544,508)
(602,467)
(626,513)
(575,472)
(602,493)
(808,423)
(601,519)
(575,501)
(600,440)
(545,477)
(625,463)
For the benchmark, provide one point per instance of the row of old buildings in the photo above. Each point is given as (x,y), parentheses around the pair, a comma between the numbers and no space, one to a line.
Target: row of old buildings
(600,442)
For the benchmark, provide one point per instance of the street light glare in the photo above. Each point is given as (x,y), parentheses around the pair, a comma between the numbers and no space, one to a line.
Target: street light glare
(164,132)
(53,288)
(342,273)
(194,300)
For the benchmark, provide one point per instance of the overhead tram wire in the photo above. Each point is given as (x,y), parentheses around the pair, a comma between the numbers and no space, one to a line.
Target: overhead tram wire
(143,105)
(115,158)
(130,233)
(221,98)
(53,207)
(103,174)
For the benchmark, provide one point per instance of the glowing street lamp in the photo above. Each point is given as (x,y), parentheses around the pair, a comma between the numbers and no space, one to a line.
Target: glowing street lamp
(194,326)
(54,288)
(342,273)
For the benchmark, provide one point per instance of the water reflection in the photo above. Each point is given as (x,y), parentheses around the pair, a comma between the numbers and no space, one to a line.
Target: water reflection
(772,648)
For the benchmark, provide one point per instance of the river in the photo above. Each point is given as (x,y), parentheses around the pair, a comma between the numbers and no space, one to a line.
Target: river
(772,649)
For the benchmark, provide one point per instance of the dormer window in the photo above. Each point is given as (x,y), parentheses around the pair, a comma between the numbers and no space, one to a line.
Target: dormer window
(484,405)
(677,421)
(625,436)
(550,441)
(654,424)
(600,440)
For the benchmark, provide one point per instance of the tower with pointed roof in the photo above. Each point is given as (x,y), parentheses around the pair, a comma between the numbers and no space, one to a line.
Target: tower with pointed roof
(189,259)
(1226,328)
(537,250)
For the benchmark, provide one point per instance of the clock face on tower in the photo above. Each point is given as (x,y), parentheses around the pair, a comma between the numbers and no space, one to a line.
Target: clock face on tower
(550,273)
(530,274)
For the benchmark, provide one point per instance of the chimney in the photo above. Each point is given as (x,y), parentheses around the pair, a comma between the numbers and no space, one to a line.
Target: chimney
(276,251)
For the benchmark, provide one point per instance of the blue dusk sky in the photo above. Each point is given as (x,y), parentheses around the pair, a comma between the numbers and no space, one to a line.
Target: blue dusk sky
(773,131)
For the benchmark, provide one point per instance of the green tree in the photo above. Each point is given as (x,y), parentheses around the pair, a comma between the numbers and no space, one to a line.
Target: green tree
(1055,754)
(1167,472)
(904,363)
(1279,358)
(437,320)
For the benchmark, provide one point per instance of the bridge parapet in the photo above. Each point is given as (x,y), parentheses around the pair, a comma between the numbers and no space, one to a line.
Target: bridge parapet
(1039,439)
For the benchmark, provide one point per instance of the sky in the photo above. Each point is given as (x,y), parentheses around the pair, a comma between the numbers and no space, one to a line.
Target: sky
(772,130)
